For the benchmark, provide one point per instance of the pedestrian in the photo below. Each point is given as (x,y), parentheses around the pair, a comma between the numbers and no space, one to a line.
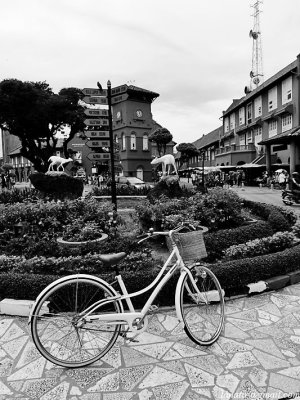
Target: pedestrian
(3,181)
(193,177)
(281,180)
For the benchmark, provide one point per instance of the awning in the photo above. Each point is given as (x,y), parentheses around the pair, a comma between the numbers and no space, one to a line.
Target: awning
(284,137)
(252,165)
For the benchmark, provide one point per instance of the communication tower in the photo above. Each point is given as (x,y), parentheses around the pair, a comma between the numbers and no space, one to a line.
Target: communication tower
(256,73)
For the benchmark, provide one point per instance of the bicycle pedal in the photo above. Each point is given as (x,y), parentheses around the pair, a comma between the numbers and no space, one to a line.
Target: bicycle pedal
(153,309)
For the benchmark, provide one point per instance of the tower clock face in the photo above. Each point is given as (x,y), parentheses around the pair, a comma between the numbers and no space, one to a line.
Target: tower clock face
(139,113)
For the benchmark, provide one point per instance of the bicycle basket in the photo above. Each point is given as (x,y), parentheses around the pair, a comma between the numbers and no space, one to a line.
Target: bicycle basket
(190,244)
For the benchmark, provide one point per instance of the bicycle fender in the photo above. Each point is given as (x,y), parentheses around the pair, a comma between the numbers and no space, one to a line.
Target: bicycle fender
(65,279)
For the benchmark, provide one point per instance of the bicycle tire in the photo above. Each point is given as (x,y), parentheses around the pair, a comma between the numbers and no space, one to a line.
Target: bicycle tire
(202,311)
(54,316)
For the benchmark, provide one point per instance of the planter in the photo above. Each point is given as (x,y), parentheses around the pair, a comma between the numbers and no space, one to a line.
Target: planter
(65,243)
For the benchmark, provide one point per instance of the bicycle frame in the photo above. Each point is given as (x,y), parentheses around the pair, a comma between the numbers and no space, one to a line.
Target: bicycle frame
(133,318)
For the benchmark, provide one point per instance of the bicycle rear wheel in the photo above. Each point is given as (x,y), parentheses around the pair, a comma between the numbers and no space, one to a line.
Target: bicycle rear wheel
(202,305)
(55,329)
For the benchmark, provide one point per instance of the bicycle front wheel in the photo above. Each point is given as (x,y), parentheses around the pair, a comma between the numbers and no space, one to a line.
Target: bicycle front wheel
(202,305)
(60,333)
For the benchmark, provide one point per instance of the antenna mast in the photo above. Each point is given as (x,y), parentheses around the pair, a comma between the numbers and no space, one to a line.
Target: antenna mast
(256,74)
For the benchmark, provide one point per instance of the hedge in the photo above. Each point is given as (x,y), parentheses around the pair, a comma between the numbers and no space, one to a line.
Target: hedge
(216,242)
(233,276)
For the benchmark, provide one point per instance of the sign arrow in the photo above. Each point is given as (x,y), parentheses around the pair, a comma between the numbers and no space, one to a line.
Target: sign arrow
(97,134)
(94,92)
(98,122)
(95,100)
(118,90)
(120,98)
(97,143)
(96,112)
(98,156)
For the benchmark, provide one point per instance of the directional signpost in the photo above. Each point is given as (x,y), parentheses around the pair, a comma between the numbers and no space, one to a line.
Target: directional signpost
(98,156)
(97,134)
(94,92)
(95,100)
(118,99)
(101,139)
(93,122)
(97,143)
(96,112)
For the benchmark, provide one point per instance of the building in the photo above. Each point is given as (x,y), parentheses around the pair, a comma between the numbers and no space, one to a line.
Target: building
(264,126)
(132,125)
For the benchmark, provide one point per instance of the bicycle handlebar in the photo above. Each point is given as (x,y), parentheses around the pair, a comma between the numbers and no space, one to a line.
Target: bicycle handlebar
(183,225)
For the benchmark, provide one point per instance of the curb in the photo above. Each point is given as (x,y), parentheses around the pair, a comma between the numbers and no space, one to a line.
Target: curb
(22,308)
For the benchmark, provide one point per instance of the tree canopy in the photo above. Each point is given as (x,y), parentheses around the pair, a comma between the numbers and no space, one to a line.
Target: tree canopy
(161,136)
(35,114)
(187,151)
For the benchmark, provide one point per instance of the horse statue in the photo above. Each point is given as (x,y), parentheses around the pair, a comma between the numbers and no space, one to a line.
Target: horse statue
(167,161)
(59,162)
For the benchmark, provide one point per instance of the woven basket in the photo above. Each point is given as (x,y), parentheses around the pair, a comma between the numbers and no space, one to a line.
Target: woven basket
(190,244)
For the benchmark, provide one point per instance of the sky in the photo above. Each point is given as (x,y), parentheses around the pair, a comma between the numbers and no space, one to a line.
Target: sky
(196,54)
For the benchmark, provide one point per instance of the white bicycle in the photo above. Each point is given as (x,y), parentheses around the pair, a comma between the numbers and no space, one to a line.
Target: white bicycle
(77,319)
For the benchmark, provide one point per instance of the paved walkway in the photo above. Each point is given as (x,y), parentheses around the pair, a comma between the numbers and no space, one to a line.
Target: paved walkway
(257,357)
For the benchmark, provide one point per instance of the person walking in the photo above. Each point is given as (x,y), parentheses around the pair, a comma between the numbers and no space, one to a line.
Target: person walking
(281,180)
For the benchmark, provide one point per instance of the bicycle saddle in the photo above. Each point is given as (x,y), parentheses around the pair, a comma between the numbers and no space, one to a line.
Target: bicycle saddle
(112,259)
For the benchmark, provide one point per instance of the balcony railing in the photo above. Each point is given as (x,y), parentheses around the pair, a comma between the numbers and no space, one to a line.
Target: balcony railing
(233,148)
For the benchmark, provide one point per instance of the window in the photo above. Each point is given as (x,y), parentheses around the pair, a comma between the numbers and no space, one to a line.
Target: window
(145,142)
(123,141)
(272,99)
(286,122)
(287,90)
(140,173)
(133,141)
(272,128)
(257,107)
(242,140)
(250,137)
(241,116)
(232,121)
(226,125)
(249,113)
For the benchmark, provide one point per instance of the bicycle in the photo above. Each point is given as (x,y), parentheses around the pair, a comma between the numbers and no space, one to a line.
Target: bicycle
(77,319)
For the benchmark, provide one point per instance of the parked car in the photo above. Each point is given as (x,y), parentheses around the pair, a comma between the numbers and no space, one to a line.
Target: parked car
(130,181)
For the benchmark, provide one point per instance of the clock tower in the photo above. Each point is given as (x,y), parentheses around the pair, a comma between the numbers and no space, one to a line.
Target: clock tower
(132,125)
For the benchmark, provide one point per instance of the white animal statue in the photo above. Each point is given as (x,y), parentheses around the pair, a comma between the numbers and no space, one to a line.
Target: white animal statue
(167,161)
(59,162)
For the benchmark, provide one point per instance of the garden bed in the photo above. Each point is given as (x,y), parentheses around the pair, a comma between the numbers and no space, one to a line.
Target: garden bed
(23,277)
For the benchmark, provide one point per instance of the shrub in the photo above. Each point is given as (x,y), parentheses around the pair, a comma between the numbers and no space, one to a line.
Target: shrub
(42,222)
(234,275)
(217,242)
(296,229)
(217,209)
(263,211)
(19,196)
(278,221)
(278,242)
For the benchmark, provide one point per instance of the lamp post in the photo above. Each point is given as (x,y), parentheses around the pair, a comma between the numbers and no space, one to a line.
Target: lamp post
(111,143)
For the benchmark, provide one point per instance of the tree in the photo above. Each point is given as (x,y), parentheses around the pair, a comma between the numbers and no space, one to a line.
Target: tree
(161,137)
(35,114)
(187,151)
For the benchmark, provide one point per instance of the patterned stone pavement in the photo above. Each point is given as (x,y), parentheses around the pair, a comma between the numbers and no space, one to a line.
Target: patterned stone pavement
(257,357)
